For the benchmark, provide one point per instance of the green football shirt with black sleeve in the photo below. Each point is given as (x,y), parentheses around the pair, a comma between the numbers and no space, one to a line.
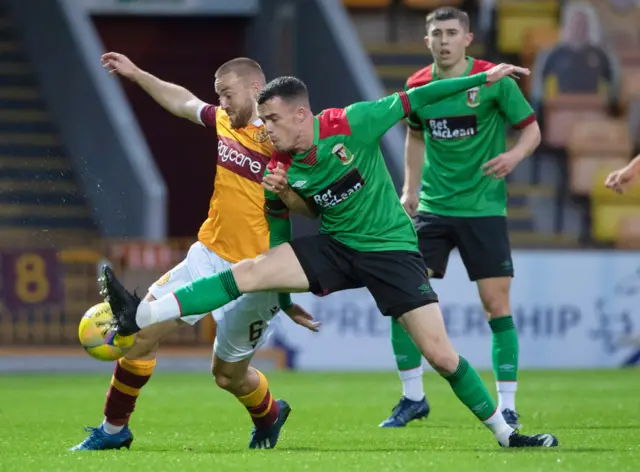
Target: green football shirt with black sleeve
(367,238)
(345,175)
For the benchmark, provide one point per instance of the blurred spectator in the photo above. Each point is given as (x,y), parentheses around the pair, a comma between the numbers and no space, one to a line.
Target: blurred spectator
(580,63)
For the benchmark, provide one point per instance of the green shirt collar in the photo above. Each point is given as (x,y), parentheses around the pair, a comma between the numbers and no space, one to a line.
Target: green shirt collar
(434,72)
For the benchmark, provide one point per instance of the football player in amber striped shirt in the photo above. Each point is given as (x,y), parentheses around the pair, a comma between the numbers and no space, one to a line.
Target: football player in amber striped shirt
(236,228)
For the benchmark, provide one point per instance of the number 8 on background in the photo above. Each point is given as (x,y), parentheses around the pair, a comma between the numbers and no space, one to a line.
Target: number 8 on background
(30,278)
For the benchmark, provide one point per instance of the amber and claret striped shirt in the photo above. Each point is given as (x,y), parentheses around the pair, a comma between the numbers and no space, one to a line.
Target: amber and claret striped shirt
(236,227)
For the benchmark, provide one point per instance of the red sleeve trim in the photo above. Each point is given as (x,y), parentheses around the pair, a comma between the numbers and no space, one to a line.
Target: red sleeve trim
(481,66)
(281,157)
(406,104)
(208,115)
(276,208)
(334,122)
(284,215)
(526,122)
(420,78)
(275,205)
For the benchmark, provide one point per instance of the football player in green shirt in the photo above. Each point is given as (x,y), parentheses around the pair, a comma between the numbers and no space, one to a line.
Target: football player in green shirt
(366,237)
(463,198)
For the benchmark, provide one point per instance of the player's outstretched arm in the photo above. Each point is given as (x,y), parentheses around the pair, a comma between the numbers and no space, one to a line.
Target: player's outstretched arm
(618,180)
(175,99)
(370,120)
(433,92)
(413,164)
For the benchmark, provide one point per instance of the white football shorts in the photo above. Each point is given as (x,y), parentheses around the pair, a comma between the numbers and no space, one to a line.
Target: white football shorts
(243,325)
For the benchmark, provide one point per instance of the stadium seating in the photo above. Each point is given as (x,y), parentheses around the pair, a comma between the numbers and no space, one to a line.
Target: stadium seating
(38,191)
(563,111)
(620,28)
(629,99)
(521,216)
(630,88)
(415,4)
(138,263)
(430,4)
(628,236)
(596,146)
(609,210)
(396,62)
(607,218)
(535,41)
(517,17)
(366,3)
(582,168)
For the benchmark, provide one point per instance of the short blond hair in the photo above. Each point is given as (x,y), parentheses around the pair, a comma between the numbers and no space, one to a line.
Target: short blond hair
(242,67)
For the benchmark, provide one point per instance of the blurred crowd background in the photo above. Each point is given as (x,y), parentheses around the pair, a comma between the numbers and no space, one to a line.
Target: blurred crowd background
(92,170)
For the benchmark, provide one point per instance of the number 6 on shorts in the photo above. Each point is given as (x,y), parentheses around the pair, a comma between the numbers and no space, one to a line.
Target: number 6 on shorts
(255,332)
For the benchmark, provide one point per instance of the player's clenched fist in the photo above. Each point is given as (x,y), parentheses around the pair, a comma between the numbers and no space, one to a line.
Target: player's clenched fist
(277,180)
(502,70)
(410,203)
(117,63)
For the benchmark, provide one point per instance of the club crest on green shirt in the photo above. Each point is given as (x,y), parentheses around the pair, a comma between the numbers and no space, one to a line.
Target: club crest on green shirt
(473,97)
(342,153)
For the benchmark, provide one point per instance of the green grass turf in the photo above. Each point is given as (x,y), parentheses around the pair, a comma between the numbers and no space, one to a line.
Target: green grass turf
(185,423)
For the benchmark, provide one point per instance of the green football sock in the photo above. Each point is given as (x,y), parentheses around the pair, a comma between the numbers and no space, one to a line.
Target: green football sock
(207,293)
(406,353)
(504,349)
(470,390)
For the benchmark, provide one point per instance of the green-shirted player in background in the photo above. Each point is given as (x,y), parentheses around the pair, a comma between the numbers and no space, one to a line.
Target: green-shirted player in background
(463,199)
(366,237)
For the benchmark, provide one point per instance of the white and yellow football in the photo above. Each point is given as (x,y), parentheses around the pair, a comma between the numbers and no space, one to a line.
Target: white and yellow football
(97,336)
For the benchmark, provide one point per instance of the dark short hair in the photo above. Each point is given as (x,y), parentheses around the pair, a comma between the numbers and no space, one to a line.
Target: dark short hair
(242,67)
(448,13)
(287,88)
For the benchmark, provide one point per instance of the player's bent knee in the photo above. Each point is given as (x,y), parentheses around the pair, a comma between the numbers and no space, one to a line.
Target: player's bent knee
(231,375)
(496,304)
(277,268)
(494,294)
(146,343)
(147,340)
(248,275)
(225,382)
(229,381)
(444,361)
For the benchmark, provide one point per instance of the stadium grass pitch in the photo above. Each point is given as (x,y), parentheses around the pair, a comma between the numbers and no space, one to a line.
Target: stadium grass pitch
(184,423)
